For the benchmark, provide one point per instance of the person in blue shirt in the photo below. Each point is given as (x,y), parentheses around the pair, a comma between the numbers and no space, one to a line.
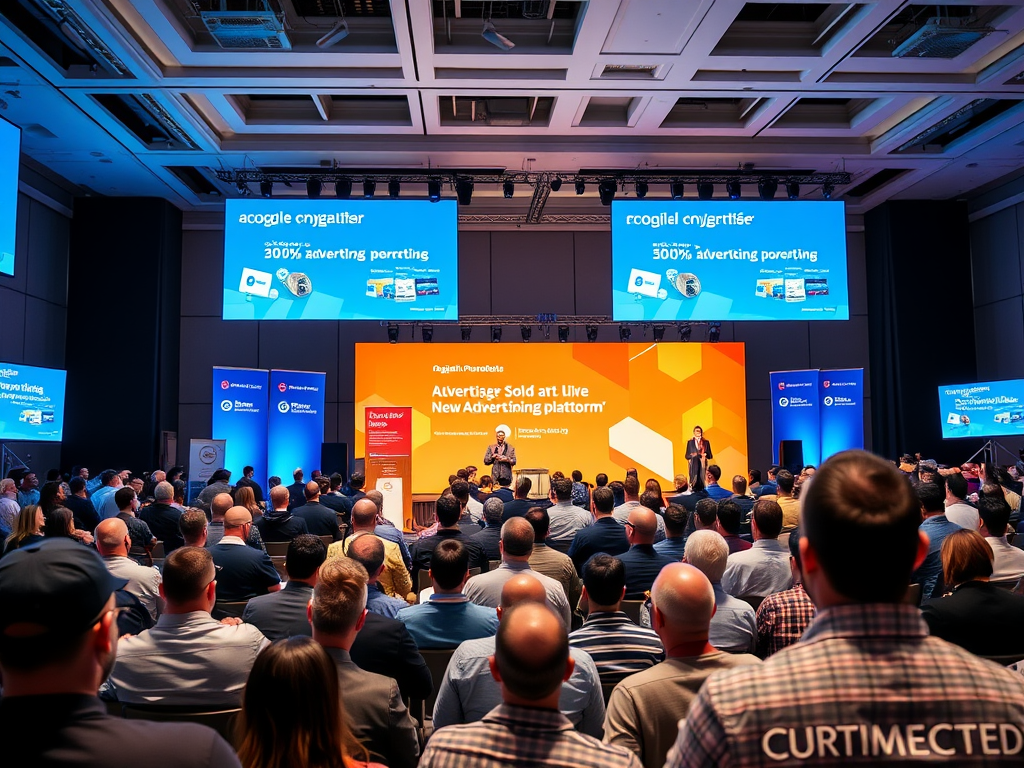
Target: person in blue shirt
(28,490)
(605,534)
(933,507)
(368,551)
(715,491)
(642,563)
(675,536)
(448,617)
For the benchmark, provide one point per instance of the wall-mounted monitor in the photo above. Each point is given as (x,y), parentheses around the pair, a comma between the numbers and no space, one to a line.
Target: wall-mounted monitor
(31,403)
(341,260)
(729,260)
(10,151)
(984,409)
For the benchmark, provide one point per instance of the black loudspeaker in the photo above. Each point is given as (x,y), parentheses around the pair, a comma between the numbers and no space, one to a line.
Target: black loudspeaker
(334,458)
(791,455)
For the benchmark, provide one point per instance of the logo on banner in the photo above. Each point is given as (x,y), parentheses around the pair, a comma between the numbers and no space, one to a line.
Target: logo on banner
(282,387)
(782,386)
(226,405)
(828,400)
(826,384)
(283,407)
(224,384)
(207,454)
(783,402)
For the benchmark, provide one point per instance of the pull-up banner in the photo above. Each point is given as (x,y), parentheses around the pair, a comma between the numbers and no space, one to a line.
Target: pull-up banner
(842,410)
(296,421)
(822,408)
(240,419)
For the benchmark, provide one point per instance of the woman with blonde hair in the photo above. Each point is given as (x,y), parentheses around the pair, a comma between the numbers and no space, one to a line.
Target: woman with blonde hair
(292,714)
(28,528)
(244,497)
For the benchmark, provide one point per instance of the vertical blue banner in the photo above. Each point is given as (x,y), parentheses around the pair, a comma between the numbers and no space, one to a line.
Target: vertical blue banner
(240,418)
(842,410)
(296,421)
(795,412)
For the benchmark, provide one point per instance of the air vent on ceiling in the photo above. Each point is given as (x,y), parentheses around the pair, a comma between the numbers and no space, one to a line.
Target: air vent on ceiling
(259,29)
(942,38)
(630,71)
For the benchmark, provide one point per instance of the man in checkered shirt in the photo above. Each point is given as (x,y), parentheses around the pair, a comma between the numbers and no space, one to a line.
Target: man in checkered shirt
(865,684)
(531,660)
(784,616)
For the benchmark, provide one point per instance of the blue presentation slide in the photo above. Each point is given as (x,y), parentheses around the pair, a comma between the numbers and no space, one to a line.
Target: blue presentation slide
(341,260)
(10,150)
(729,260)
(986,409)
(31,403)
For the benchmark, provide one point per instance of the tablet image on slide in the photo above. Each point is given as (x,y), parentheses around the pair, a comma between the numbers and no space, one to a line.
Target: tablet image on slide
(953,418)
(255,282)
(643,282)
(795,289)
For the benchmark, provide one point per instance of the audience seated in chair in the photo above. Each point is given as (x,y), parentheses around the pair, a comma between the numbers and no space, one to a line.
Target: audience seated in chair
(282,613)
(733,627)
(783,617)
(764,568)
(242,571)
(394,580)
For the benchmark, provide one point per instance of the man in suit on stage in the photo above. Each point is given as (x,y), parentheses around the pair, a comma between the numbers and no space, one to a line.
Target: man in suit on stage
(502,455)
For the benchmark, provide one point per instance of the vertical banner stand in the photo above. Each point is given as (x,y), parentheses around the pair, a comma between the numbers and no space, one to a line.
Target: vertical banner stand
(389,460)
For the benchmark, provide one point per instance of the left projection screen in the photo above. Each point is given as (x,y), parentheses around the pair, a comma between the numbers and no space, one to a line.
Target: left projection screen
(31,403)
(10,150)
(340,260)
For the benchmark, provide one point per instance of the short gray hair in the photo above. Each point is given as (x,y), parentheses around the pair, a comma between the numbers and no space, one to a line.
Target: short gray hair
(708,552)
(494,508)
(164,491)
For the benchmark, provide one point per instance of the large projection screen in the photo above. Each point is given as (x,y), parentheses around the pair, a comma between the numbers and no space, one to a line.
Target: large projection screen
(982,409)
(31,403)
(592,407)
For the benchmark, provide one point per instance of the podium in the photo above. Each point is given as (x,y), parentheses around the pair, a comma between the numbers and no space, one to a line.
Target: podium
(540,479)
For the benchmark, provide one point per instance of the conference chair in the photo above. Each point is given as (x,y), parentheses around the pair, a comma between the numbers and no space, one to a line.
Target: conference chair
(606,691)
(493,564)
(277,548)
(632,609)
(913,596)
(328,540)
(158,554)
(220,720)
(423,709)
(223,609)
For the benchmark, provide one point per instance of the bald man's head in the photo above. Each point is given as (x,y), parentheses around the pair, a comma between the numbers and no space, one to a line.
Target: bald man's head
(235,518)
(531,653)
(683,603)
(523,588)
(312,490)
(364,513)
(221,503)
(110,536)
(517,537)
(645,525)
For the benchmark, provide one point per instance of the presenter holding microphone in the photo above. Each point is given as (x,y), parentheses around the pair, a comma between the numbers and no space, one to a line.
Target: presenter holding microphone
(698,451)
(501,455)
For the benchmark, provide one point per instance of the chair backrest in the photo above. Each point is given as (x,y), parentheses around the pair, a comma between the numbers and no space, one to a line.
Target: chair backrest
(1005,661)
(158,552)
(1007,584)
(437,662)
(753,600)
(632,609)
(493,564)
(327,540)
(606,690)
(277,548)
(221,720)
(913,596)
(223,609)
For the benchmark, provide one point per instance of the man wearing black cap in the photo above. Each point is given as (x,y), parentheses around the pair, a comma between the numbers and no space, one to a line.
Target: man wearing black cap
(58,641)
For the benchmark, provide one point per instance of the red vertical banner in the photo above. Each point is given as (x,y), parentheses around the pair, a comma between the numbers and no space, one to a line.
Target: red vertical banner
(389,460)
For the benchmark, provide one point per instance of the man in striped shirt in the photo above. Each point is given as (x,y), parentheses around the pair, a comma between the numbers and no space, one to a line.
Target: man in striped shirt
(617,645)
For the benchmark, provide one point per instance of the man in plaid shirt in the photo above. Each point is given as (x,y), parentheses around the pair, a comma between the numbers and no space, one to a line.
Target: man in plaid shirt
(783,617)
(865,683)
(531,660)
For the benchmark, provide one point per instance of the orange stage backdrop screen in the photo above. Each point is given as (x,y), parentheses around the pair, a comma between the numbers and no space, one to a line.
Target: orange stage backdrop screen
(592,407)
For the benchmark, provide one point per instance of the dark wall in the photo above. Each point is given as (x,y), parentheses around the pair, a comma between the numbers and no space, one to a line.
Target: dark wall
(921,334)
(33,306)
(500,272)
(123,325)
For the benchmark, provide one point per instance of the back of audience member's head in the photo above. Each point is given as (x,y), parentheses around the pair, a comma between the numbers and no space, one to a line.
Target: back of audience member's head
(768,518)
(325,484)
(377,497)
(562,487)
(273,481)
(730,516)
(715,472)
(357,481)
(739,485)
(364,513)
(339,597)
(462,474)
(312,490)
(651,501)
(956,484)
(652,485)
(187,574)
(524,587)
(279,497)
(539,518)
(245,497)
(995,514)
(460,490)
(991,491)
(48,495)
(631,486)
(531,651)
(604,577)
(706,511)
(644,524)
(601,480)
(305,554)
(604,499)
(449,563)
(494,508)
(298,474)
(785,480)
(708,552)
(123,498)
(448,511)
(517,537)
(966,556)
(755,476)
(931,497)
(683,601)
(523,486)
(111,535)
(861,503)
(336,480)
(192,524)
(221,503)
(368,551)
(59,523)
(675,519)
(220,476)
(107,476)
(577,476)
(164,492)
(794,545)
(313,729)
(76,484)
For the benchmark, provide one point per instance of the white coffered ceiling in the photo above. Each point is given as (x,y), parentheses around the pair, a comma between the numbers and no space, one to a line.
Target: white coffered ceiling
(137,97)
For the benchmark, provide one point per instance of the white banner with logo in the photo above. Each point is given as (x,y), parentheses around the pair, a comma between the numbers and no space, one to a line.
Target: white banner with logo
(204,458)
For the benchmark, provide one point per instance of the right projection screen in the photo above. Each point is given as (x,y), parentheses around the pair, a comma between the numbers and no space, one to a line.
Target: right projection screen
(729,260)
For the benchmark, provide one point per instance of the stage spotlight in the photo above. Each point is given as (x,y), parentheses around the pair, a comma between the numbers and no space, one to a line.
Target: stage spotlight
(556,183)
(467,332)
(641,190)
(490,34)
(733,189)
(392,333)
(659,333)
(526,331)
(793,190)
(464,191)
(591,333)
(267,188)
(508,189)
(394,189)
(495,333)
(369,187)
(767,188)
(434,190)
(827,189)
(705,190)
(624,333)
(427,331)
(676,189)
(581,186)
(684,332)
(714,332)
(313,187)
(563,333)
(343,188)
(606,191)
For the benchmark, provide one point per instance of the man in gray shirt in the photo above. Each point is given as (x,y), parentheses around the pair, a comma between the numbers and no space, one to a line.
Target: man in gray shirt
(564,516)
